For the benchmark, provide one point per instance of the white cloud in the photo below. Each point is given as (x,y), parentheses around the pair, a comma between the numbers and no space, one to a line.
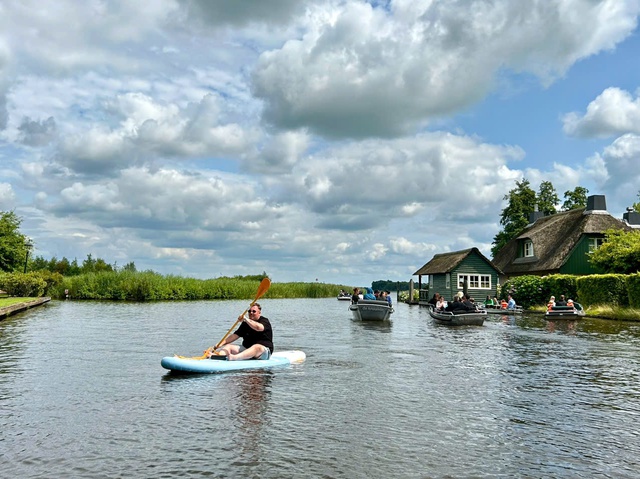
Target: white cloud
(613,113)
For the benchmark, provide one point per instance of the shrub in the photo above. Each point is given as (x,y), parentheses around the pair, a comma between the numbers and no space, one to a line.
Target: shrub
(608,289)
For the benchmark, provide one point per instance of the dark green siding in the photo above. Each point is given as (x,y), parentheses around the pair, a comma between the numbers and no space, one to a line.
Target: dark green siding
(578,261)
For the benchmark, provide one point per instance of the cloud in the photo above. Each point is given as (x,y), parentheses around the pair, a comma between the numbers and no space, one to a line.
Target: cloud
(613,113)
(7,197)
(37,133)
(360,71)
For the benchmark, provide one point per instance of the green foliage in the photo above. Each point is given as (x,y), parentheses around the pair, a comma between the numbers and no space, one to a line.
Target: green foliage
(515,216)
(526,290)
(23,284)
(557,284)
(620,252)
(13,252)
(150,286)
(633,290)
(388,285)
(609,289)
(547,198)
(575,199)
(636,205)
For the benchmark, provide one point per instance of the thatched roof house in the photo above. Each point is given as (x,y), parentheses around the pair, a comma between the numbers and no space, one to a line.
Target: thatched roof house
(559,243)
(448,272)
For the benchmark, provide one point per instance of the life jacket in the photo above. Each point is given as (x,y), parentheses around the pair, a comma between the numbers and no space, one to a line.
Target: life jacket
(550,305)
(503,304)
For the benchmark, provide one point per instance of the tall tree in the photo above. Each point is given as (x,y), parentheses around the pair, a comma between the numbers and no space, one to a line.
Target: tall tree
(515,216)
(547,199)
(575,199)
(13,249)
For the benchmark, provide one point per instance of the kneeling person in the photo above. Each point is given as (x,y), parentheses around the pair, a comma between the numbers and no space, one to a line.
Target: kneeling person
(257,338)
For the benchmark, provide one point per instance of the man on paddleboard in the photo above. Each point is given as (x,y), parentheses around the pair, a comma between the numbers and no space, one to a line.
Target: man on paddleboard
(257,338)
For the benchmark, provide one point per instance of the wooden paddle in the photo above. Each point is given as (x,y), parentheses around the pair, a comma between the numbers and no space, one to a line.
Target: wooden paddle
(262,289)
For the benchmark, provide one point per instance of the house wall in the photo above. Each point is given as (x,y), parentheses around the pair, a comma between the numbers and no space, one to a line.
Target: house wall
(473,264)
(578,261)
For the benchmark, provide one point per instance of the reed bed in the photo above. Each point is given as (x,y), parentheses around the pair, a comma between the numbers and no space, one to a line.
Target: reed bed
(151,286)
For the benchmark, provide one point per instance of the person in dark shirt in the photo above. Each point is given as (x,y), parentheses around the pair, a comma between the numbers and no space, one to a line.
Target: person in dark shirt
(355,296)
(561,301)
(257,338)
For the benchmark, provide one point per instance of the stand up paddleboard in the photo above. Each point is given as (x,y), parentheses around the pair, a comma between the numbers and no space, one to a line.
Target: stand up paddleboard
(188,365)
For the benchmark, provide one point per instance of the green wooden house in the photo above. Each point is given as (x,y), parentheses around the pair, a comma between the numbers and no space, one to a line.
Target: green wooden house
(560,243)
(447,273)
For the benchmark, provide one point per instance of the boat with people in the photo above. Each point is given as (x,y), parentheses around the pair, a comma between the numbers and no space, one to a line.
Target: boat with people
(499,310)
(198,365)
(346,297)
(568,312)
(371,310)
(458,318)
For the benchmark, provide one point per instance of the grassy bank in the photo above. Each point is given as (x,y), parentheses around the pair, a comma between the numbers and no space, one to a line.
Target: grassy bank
(10,301)
(602,311)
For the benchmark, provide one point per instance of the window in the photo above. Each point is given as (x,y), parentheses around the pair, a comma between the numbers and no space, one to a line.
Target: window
(528,248)
(430,281)
(447,281)
(595,243)
(475,281)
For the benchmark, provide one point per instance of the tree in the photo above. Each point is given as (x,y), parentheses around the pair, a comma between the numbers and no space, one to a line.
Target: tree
(575,199)
(13,250)
(547,199)
(636,205)
(620,252)
(515,216)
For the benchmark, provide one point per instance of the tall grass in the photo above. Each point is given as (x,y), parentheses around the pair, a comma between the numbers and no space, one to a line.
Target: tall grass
(150,286)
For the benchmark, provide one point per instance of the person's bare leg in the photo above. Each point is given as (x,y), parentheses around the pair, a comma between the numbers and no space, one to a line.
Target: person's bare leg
(254,351)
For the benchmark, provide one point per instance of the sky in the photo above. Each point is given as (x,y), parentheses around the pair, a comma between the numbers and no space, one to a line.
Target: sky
(337,141)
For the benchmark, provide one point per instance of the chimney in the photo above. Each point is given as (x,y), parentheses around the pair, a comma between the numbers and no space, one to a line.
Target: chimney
(595,203)
(533,217)
(632,218)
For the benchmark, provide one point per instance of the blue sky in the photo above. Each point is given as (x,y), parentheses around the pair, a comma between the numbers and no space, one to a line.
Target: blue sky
(338,140)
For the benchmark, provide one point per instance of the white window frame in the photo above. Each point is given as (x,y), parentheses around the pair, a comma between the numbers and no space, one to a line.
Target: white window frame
(527,249)
(476,281)
(447,280)
(595,243)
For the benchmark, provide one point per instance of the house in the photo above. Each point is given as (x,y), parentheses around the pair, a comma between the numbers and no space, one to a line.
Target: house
(447,273)
(560,243)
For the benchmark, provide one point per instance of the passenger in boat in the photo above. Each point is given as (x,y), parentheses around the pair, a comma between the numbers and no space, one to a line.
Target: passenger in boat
(369,294)
(570,303)
(434,300)
(551,303)
(455,305)
(488,302)
(511,304)
(503,304)
(561,301)
(257,338)
(387,295)
(469,303)
(355,296)
(441,303)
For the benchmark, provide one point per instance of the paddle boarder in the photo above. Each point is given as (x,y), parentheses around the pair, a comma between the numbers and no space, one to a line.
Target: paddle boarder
(257,338)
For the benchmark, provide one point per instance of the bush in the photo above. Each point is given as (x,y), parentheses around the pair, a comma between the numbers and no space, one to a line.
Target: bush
(23,284)
(610,289)
(633,290)
(526,290)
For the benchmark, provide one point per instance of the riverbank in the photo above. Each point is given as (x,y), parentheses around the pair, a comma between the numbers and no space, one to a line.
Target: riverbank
(618,313)
(10,306)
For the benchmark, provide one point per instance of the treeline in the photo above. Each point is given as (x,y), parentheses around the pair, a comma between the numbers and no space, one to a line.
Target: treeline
(72,268)
(388,285)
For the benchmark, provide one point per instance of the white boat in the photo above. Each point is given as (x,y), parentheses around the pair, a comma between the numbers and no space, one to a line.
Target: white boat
(346,297)
(499,310)
(459,318)
(371,310)
(566,312)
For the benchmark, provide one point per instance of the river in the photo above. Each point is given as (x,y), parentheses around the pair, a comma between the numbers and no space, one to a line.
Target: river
(83,395)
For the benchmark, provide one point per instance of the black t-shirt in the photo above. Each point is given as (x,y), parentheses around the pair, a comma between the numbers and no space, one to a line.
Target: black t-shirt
(250,336)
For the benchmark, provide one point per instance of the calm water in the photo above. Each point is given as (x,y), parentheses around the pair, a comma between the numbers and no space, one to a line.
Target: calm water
(82,394)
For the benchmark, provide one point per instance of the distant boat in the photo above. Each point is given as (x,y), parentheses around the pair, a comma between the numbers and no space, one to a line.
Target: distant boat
(498,310)
(566,312)
(459,319)
(344,297)
(370,310)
